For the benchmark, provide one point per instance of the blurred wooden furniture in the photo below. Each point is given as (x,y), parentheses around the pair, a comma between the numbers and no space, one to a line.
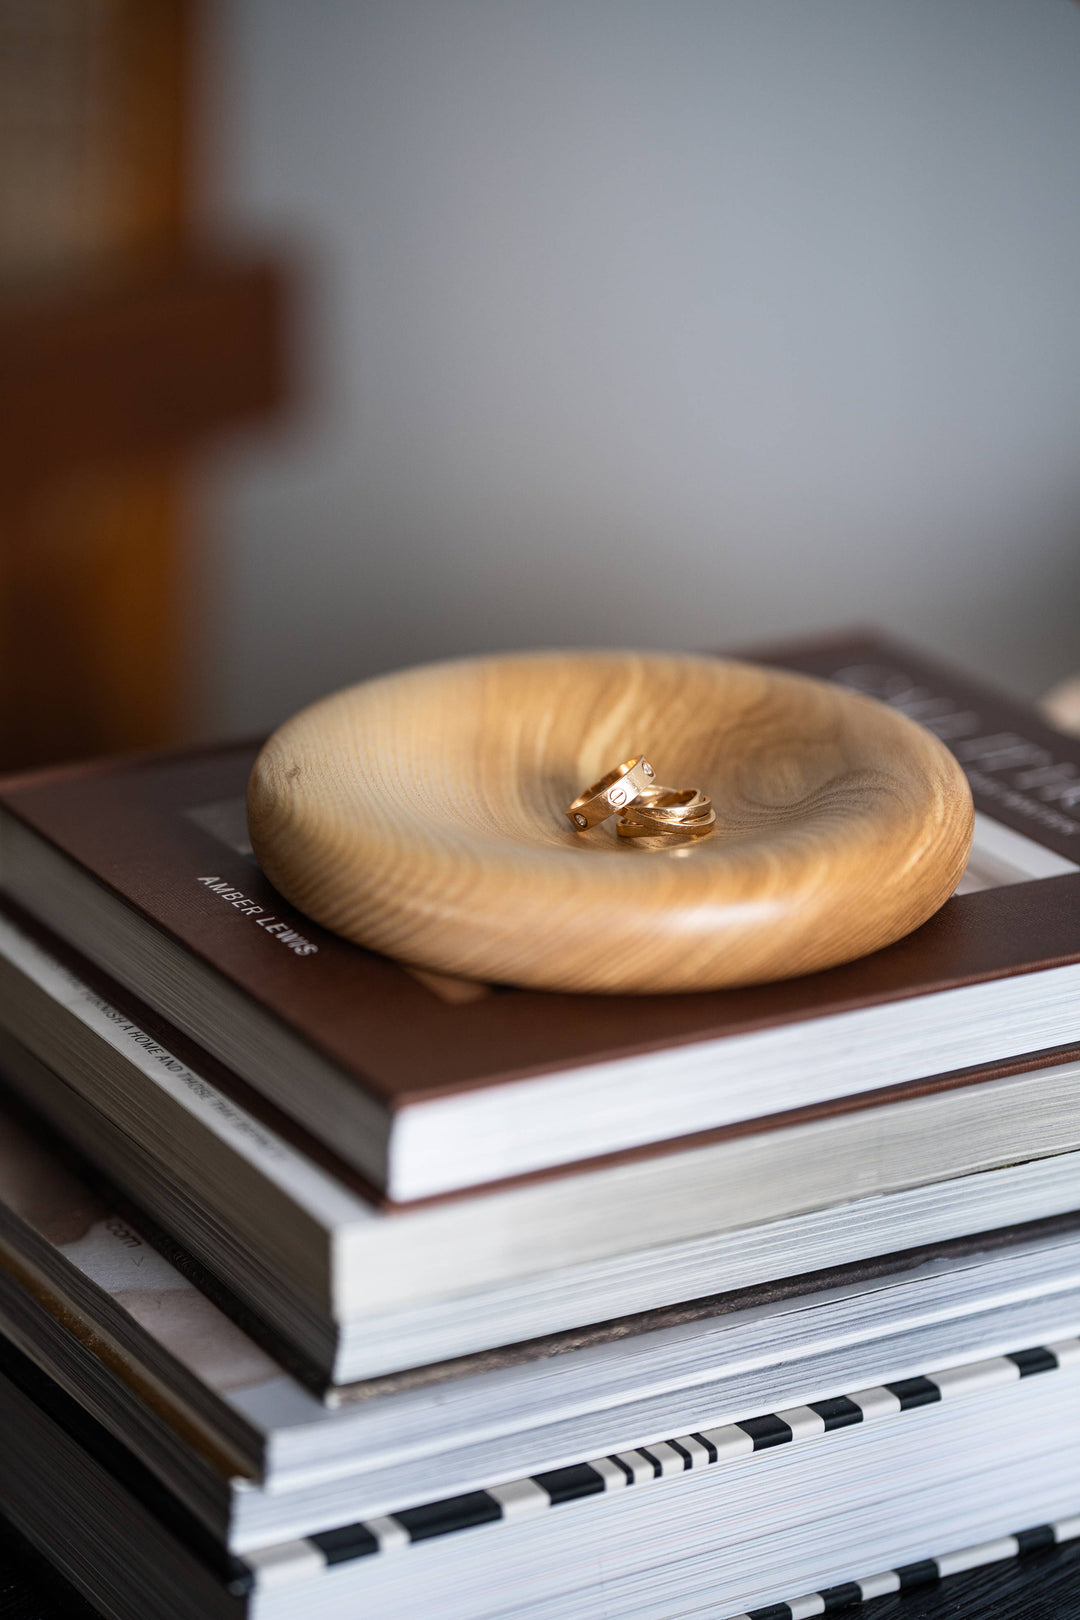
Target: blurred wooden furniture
(102,390)
(124,347)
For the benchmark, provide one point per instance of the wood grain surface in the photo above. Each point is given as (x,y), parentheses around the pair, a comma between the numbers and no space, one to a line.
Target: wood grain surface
(422,814)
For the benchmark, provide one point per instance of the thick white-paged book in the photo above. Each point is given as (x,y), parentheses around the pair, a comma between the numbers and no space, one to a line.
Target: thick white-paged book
(355,1290)
(948,1469)
(259,1461)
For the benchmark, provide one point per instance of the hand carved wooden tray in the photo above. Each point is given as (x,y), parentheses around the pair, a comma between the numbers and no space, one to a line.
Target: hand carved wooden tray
(422,814)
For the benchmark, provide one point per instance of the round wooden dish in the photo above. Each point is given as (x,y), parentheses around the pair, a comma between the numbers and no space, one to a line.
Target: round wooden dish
(421,814)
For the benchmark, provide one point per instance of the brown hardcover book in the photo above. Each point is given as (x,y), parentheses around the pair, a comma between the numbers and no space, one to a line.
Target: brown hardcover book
(427,1086)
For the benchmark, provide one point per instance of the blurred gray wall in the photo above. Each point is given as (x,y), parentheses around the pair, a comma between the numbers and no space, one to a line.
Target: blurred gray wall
(675,323)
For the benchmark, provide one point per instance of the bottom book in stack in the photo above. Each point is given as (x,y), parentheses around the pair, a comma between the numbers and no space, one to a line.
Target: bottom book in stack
(910,1479)
(847,1434)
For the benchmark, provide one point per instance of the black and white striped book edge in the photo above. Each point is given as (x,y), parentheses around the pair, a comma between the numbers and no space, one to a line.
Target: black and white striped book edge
(928,1570)
(300,1559)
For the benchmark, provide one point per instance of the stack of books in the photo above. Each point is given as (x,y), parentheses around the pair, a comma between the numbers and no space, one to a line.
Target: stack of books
(328,1287)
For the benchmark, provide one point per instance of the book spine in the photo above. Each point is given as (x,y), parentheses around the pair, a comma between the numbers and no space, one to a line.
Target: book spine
(157,1069)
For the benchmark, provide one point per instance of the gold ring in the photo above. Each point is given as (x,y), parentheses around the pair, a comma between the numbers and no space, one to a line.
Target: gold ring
(662,817)
(631,827)
(689,832)
(664,807)
(614,792)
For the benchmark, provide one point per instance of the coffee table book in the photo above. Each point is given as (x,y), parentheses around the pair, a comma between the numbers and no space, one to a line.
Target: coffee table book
(427,1088)
(349,1291)
(928,1477)
(951,1371)
(259,1460)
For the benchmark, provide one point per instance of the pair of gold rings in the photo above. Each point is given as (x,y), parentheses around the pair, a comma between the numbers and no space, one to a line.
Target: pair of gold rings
(644,809)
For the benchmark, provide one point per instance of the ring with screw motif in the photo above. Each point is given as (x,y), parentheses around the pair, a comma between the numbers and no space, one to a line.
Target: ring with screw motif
(611,794)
